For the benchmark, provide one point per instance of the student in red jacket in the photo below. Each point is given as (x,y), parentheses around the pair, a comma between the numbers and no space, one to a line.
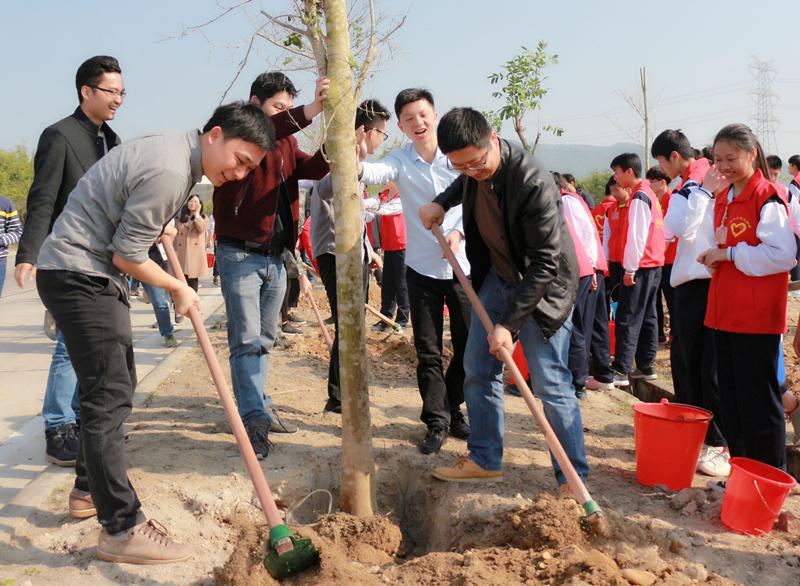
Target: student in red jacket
(643,245)
(591,259)
(394,291)
(747,297)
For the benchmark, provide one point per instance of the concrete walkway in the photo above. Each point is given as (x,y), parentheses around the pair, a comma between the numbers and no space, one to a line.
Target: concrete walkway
(24,362)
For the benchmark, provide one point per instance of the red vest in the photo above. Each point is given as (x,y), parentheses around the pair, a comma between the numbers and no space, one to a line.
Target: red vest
(618,224)
(585,268)
(672,247)
(653,255)
(393,227)
(599,213)
(602,263)
(736,302)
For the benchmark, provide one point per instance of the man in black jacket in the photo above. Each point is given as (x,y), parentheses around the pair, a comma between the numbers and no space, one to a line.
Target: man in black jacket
(65,152)
(526,273)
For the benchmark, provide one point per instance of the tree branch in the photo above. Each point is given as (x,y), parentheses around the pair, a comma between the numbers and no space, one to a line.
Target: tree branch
(242,63)
(194,28)
(370,55)
(285,25)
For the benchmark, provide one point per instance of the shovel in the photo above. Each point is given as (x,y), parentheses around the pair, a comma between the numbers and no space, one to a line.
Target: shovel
(594,519)
(289,554)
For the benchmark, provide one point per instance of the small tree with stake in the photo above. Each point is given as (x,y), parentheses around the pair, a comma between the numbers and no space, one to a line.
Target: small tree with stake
(522,80)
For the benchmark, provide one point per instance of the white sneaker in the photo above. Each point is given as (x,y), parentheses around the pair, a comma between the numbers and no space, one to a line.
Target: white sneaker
(714,461)
(593,384)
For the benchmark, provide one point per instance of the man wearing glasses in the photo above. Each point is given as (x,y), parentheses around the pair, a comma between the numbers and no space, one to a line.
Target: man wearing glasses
(65,152)
(525,271)
(420,171)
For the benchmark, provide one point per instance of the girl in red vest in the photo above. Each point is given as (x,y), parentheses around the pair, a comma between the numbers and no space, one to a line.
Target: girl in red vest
(747,296)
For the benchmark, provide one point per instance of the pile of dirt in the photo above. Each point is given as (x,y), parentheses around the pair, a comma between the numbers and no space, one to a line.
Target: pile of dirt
(541,543)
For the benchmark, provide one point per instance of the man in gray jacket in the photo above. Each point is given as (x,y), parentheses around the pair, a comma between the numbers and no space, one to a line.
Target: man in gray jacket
(111,219)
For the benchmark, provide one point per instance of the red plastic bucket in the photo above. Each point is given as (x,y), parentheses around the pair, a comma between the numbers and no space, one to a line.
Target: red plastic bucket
(668,440)
(754,495)
(210,259)
(519,359)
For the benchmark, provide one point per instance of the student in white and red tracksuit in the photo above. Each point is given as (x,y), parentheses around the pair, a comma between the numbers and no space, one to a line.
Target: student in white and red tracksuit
(642,259)
(659,183)
(747,298)
(590,257)
(690,221)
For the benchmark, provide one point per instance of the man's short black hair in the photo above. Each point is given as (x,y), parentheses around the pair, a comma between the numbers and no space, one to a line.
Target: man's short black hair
(774,162)
(627,161)
(246,121)
(669,141)
(369,112)
(270,83)
(461,128)
(556,178)
(795,160)
(409,95)
(91,70)
(656,174)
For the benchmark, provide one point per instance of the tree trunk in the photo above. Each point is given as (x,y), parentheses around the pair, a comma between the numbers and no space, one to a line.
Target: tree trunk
(521,133)
(358,464)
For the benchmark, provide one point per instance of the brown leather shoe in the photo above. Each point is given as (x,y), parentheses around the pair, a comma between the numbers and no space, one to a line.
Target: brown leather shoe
(146,543)
(466,470)
(81,505)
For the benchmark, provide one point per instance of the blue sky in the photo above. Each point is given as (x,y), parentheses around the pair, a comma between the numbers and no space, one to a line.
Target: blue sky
(697,54)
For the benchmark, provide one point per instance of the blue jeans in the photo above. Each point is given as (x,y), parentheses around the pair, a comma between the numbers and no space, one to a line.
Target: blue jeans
(61,403)
(551,381)
(3,262)
(158,299)
(253,287)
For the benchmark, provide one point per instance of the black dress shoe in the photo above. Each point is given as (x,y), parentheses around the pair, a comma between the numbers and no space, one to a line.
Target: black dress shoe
(459,428)
(433,441)
(333,405)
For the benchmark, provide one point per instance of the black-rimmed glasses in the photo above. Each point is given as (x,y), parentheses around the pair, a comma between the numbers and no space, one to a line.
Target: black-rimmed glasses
(115,93)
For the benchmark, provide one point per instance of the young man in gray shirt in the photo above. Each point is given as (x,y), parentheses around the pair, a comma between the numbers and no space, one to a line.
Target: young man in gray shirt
(114,214)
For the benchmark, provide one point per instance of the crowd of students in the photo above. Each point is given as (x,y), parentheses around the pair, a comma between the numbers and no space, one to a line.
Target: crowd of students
(716,242)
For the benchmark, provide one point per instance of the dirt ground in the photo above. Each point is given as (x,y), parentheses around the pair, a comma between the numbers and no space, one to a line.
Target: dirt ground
(185,464)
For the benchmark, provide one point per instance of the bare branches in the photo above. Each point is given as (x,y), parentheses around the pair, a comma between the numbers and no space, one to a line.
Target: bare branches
(242,63)
(188,30)
(285,25)
(370,56)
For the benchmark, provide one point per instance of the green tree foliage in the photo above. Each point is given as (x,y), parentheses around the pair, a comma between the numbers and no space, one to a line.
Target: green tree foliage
(522,89)
(595,183)
(16,175)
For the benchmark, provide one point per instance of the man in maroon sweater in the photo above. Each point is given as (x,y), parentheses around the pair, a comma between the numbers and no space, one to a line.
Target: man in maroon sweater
(256,219)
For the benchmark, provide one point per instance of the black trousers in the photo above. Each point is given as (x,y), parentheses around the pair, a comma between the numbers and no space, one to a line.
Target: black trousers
(667,292)
(442,393)
(94,318)
(327,272)
(600,342)
(636,322)
(291,297)
(582,324)
(794,274)
(750,397)
(694,371)
(394,291)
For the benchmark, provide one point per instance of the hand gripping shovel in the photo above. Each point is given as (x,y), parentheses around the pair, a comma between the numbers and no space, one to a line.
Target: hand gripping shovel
(289,554)
(594,519)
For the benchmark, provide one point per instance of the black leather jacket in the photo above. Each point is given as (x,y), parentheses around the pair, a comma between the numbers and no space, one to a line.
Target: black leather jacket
(536,234)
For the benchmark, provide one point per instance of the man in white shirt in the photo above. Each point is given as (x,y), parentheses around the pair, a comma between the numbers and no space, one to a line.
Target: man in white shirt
(421,171)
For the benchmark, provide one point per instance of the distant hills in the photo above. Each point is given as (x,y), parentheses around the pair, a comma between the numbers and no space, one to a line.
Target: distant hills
(581,159)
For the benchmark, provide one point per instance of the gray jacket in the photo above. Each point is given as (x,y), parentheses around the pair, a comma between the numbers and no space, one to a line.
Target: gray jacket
(121,205)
